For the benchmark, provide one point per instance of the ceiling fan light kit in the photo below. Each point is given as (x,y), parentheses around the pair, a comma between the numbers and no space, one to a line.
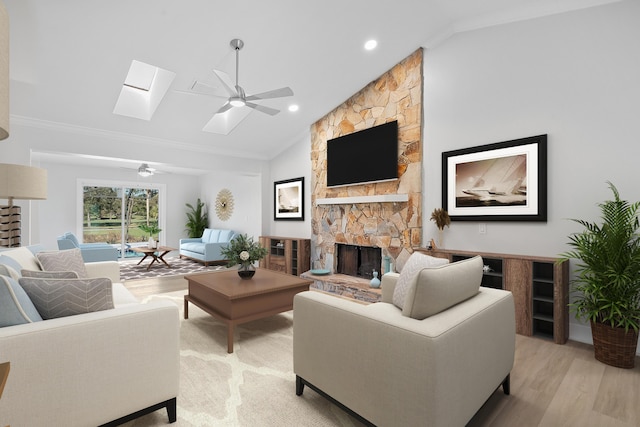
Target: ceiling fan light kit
(145,171)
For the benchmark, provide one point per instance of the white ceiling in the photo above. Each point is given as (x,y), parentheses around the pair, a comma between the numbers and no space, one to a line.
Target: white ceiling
(69,58)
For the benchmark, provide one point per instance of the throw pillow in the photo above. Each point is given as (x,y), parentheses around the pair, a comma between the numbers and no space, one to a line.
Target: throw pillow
(50,274)
(66,260)
(5,270)
(67,297)
(24,257)
(416,262)
(437,289)
(15,306)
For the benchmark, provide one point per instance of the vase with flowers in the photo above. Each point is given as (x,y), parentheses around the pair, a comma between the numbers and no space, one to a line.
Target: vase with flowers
(244,251)
(442,219)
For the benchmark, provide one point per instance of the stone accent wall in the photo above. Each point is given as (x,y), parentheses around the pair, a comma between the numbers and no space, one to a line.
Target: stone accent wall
(395,227)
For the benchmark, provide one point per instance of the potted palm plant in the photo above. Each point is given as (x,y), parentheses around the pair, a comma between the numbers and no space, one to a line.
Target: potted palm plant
(607,279)
(197,219)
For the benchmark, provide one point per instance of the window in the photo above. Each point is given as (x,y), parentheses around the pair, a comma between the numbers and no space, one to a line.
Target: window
(114,213)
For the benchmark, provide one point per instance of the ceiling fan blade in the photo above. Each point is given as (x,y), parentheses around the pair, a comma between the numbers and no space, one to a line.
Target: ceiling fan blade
(226,82)
(226,107)
(276,93)
(224,123)
(268,110)
(202,87)
(188,92)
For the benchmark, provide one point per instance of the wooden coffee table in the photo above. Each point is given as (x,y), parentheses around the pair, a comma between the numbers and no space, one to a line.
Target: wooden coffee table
(227,297)
(151,252)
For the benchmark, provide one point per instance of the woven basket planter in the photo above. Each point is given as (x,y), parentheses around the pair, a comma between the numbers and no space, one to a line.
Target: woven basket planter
(614,346)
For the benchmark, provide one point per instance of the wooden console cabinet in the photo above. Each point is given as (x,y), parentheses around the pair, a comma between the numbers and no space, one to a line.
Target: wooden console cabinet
(286,254)
(540,288)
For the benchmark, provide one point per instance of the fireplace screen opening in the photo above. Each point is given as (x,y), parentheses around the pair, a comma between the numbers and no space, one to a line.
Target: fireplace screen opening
(358,261)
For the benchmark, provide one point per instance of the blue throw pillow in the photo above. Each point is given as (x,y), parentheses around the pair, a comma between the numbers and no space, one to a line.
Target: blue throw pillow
(16,307)
(11,263)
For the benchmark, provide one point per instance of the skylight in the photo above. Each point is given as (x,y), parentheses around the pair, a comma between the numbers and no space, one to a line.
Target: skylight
(143,89)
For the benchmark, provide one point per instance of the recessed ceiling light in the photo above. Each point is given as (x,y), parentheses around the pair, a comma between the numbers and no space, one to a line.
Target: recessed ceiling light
(371,44)
(293,108)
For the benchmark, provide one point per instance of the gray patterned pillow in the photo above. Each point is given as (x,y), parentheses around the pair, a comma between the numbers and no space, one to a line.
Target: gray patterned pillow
(66,297)
(50,274)
(66,260)
(407,279)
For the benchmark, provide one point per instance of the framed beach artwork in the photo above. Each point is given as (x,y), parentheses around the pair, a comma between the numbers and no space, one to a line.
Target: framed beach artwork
(504,181)
(288,203)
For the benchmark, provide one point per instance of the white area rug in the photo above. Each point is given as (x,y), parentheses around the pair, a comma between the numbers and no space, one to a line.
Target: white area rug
(253,386)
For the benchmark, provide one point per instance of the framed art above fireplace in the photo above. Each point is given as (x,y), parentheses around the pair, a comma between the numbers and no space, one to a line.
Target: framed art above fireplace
(503,181)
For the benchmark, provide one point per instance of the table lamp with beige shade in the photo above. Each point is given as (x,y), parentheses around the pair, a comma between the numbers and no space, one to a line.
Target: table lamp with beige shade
(22,183)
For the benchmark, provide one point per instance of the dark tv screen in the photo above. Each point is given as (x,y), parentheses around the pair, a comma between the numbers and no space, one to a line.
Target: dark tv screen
(368,155)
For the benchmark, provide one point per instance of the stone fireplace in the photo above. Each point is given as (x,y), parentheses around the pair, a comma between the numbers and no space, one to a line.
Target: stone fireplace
(386,216)
(358,261)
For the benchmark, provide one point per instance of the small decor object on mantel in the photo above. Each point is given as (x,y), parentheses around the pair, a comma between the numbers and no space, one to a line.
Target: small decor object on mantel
(244,251)
(441,218)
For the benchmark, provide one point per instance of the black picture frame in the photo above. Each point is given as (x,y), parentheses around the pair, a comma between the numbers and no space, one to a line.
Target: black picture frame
(288,200)
(503,181)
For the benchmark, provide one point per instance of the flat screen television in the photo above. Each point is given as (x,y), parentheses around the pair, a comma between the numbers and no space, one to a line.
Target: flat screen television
(369,155)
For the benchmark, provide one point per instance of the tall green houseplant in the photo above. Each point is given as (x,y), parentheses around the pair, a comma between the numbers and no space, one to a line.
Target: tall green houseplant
(197,219)
(607,278)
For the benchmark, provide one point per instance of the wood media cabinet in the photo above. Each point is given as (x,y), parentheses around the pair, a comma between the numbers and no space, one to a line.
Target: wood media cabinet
(540,287)
(286,254)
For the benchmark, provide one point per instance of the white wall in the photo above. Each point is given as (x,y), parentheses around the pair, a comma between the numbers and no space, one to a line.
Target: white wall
(572,76)
(247,195)
(294,162)
(44,220)
(59,213)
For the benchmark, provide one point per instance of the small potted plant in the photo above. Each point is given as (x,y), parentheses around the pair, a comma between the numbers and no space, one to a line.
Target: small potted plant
(244,251)
(152,230)
(607,279)
(442,219)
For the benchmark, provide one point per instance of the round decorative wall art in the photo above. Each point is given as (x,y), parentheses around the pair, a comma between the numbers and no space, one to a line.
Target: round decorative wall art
(224,204)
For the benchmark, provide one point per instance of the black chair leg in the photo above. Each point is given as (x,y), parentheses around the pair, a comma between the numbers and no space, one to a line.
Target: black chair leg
(506,385)
(299,386)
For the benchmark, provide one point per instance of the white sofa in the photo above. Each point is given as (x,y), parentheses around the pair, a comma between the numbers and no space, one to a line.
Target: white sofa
(104,367)
(392,370)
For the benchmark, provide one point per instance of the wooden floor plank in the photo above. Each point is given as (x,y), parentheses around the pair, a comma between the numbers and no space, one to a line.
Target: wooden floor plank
(551,385)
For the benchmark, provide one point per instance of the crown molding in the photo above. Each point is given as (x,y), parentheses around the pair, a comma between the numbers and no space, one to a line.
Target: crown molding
(51,126)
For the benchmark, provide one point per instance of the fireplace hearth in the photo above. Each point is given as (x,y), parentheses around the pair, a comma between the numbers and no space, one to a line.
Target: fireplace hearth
(358,261)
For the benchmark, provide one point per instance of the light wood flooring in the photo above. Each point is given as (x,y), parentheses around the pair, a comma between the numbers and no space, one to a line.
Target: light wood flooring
(551,385)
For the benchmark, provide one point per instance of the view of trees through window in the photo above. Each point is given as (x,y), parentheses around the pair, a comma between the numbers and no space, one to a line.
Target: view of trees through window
(114,214)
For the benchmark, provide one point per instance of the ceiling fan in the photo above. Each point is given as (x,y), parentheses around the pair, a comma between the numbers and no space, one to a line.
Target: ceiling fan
(234,111)
(144,170)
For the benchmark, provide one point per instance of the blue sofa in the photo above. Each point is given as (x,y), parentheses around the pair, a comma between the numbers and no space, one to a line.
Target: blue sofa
(207,248)
(91,252)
